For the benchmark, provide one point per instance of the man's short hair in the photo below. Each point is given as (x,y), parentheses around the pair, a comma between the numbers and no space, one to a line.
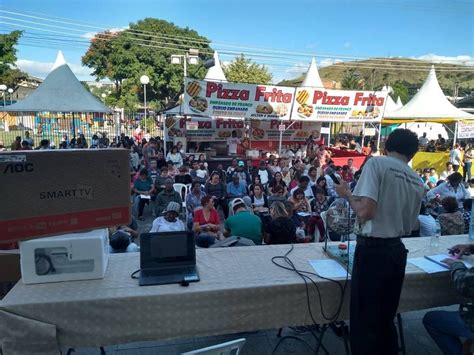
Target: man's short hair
(402,141)
(303,178)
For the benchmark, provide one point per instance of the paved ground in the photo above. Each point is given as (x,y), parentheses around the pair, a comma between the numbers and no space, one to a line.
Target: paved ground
(263,342)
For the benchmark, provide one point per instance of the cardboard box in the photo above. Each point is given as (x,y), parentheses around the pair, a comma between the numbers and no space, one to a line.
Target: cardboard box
(68,257)
(49,192)
(9,266)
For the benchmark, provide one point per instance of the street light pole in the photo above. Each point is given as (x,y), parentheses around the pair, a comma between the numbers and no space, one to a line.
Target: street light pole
(3,88)
(144,79)
(10,91)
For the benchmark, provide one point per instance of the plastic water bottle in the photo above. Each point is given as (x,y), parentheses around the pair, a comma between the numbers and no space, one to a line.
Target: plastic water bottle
(471,223)
(437,233)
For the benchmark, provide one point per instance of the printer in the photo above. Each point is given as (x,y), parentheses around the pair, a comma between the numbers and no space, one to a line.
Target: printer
(68,257)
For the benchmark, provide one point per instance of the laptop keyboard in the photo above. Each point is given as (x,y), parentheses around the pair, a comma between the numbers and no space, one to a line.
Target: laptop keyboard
(164,272)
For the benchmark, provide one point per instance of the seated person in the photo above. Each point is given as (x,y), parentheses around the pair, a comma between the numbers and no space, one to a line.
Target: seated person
(451,221)
(214,187)
(235,188)
(346,174)
(281,229)
(466,215)
(166,196)
(321,202)
(277,181)
(206,223)
(301,203)
(153,170)
(183,177)
(144,188)
(202,175)
(121,242)
(243,223)
(172,169)
(160,180)
(447,327)
(290,209)
(193,199)
(169,222)
(303,183)
(277,195)
(258,198)
(427,223)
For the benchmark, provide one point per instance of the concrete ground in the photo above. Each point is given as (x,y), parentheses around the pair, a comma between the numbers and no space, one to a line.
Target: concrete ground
(263,342)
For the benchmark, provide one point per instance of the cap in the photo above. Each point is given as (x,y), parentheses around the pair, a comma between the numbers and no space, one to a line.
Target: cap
(173,207)
(241,163)
(236,202)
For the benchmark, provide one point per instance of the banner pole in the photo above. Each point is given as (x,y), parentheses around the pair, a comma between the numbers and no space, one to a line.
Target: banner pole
(455,133)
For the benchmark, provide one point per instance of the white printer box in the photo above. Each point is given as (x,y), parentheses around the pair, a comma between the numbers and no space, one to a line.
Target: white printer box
(68,257)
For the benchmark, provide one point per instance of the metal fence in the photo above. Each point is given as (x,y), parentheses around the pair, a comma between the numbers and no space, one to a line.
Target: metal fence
(53,126)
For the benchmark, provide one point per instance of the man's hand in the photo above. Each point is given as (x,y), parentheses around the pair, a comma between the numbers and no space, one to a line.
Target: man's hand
(343,189)
(460,249)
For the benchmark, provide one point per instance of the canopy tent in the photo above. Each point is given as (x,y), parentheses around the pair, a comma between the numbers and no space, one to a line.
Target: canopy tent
(61,91)
(312,78)
(215,73)
(399,102)
(428,105)
(431,129)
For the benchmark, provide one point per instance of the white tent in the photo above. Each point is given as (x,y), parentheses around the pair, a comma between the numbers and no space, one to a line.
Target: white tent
(312,78)
(216,73)
(399,102)
(430,128)
(428,105)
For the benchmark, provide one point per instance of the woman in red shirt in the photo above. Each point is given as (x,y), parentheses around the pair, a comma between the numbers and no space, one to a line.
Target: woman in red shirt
(206,223)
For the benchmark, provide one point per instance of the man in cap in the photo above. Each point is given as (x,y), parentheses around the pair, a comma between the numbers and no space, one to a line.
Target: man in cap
(169,222)
(243,223)
(166,196)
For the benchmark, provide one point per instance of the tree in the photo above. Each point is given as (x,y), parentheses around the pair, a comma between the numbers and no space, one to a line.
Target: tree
(243,70)
(9,75)
(352,80)
(399,90)
(145,48)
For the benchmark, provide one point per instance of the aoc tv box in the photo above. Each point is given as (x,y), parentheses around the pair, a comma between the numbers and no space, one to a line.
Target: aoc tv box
(50,192)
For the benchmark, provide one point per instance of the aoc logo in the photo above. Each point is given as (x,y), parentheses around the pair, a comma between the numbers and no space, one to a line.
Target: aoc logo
(14,168)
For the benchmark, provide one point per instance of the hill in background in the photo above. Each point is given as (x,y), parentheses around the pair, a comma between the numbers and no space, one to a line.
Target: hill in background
(374,73)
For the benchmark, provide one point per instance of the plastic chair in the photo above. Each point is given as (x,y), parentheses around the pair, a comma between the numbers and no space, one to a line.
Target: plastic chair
(230,348)
(182,189)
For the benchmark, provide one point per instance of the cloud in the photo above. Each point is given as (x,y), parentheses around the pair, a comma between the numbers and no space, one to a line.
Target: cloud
(328,61)
(459,59)
(42,69)
(347,45)
(298,68)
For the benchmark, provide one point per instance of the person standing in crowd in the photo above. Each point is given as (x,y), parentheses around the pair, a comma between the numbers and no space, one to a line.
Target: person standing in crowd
(423,140)
(386,201)
(323,155)
(149,151)
(143,187)
(29,139)
(455,157)
(233,142)
(447,327)
(453,187)
(134,159)
(468,155)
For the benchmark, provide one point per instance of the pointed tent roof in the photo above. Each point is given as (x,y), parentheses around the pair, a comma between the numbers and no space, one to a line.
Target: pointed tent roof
(59,92)
(312,77)
(399,102)
(216,73)
(429,104)
(390,105)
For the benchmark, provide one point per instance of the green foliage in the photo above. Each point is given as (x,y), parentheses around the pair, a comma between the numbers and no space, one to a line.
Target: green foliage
(125,56)
(243,70)
(400,90)
(9,75)
(351,80)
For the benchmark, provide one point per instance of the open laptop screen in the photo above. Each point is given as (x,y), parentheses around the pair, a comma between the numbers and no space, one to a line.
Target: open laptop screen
(167,249)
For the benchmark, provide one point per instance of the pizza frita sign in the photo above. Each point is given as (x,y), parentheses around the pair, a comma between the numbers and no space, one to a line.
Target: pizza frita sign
(265,102)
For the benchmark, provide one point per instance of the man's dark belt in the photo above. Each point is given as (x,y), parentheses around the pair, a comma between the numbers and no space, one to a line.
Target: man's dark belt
(377,242)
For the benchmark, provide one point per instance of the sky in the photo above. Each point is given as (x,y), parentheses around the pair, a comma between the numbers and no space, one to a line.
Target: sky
(330,30)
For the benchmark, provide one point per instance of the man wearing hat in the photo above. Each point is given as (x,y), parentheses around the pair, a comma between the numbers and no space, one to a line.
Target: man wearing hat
(243,223)
(166,196)
(169,222)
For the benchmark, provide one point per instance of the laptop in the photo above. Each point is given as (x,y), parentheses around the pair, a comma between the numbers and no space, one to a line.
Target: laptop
(167,257)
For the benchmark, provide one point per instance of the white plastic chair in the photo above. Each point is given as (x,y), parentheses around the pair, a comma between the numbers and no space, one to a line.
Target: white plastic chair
(182,189)
(230,348)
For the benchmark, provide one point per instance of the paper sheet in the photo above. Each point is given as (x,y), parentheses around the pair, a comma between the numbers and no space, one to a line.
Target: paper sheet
(328,268)
(427,265)
(439,257)
(147,197)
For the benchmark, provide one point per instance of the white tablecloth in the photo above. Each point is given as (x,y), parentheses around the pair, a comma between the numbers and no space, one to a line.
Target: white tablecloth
(240,290)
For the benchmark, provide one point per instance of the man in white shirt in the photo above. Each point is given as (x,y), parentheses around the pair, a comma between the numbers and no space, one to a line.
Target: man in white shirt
(233,142)
(424,140)
(303,183)
(455,157)
(386,201)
